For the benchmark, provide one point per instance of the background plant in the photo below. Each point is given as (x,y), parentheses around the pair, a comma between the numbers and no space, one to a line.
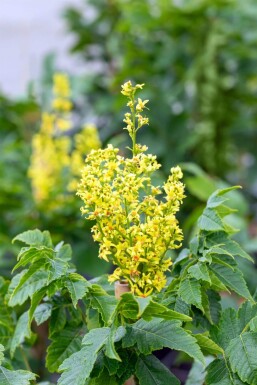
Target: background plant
(202,76)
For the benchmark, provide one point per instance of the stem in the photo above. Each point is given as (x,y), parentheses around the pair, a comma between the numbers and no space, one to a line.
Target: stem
(25,359)
(133,137)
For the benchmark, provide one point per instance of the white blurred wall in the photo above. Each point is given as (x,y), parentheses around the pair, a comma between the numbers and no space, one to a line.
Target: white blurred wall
(29,29)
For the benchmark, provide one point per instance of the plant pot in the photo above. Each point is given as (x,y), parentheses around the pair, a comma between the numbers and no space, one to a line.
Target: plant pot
(121,288)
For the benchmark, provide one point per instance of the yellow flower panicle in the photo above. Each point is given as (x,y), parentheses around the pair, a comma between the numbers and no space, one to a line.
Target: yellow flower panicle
(56,161)
(135,221)
(85,141)
(49,159)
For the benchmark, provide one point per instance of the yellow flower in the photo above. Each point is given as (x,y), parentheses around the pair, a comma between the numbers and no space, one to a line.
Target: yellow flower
(61,85)
(57,158)
(134,228)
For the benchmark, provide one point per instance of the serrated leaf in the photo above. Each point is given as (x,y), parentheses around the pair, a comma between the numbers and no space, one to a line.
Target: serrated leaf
(150,371)
(43,312)
(57,321)
(1,353)
(115,335)
(156,334)
(30,282)
(57,269)
(199,271)
(30,237)
(128,306)
(190,292)
(210,221)
(246,312)
(34,254)
(214,305)
(35,300)
(217,197)
(77,287)
(242,356)
(77,368)
(228,328)
(229,245)
(112,365)
(216,283)
(104,303)
(64,252)
(253,324)
(207,345)
(104,378)
(17,377)
(181,306)
(127,367)
(21,332)
(217,373)
(233,279)
(147,308)
(63,345)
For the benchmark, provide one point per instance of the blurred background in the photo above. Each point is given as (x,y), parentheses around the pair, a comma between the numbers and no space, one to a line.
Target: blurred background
(198,61)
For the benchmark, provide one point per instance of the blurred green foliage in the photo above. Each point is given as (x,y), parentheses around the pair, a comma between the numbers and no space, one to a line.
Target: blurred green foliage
(198,60)
(19,120)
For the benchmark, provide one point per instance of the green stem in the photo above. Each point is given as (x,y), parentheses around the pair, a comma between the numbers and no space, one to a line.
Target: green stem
(25,359)
(133,137)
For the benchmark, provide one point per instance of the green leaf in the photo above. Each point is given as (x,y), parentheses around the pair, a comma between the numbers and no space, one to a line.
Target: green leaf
(57,320)
(217,373)
(128,306)
(210,221)
(127,367)
(35,300)
(155,309)
(216,283)
(231,246)
(77,287)
(156,334)
(228,328)
(1,353)
(199,271)
(63,345)
(32,281)
(115,335)
(150,371)
(207,345)
(43,312)
(21,332)
(214,305)
(104,378)
(34,254)
(77,368)
(242,356)
(190,292)
(233,279)
(104,303)
(217,198)
(246,312)
(30,237)
(64,252)
(57,269)
(17,377)
(181,306)
(253,324)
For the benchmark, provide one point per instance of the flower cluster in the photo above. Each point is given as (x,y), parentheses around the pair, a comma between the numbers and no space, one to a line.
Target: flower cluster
(135,220)
(57,157)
